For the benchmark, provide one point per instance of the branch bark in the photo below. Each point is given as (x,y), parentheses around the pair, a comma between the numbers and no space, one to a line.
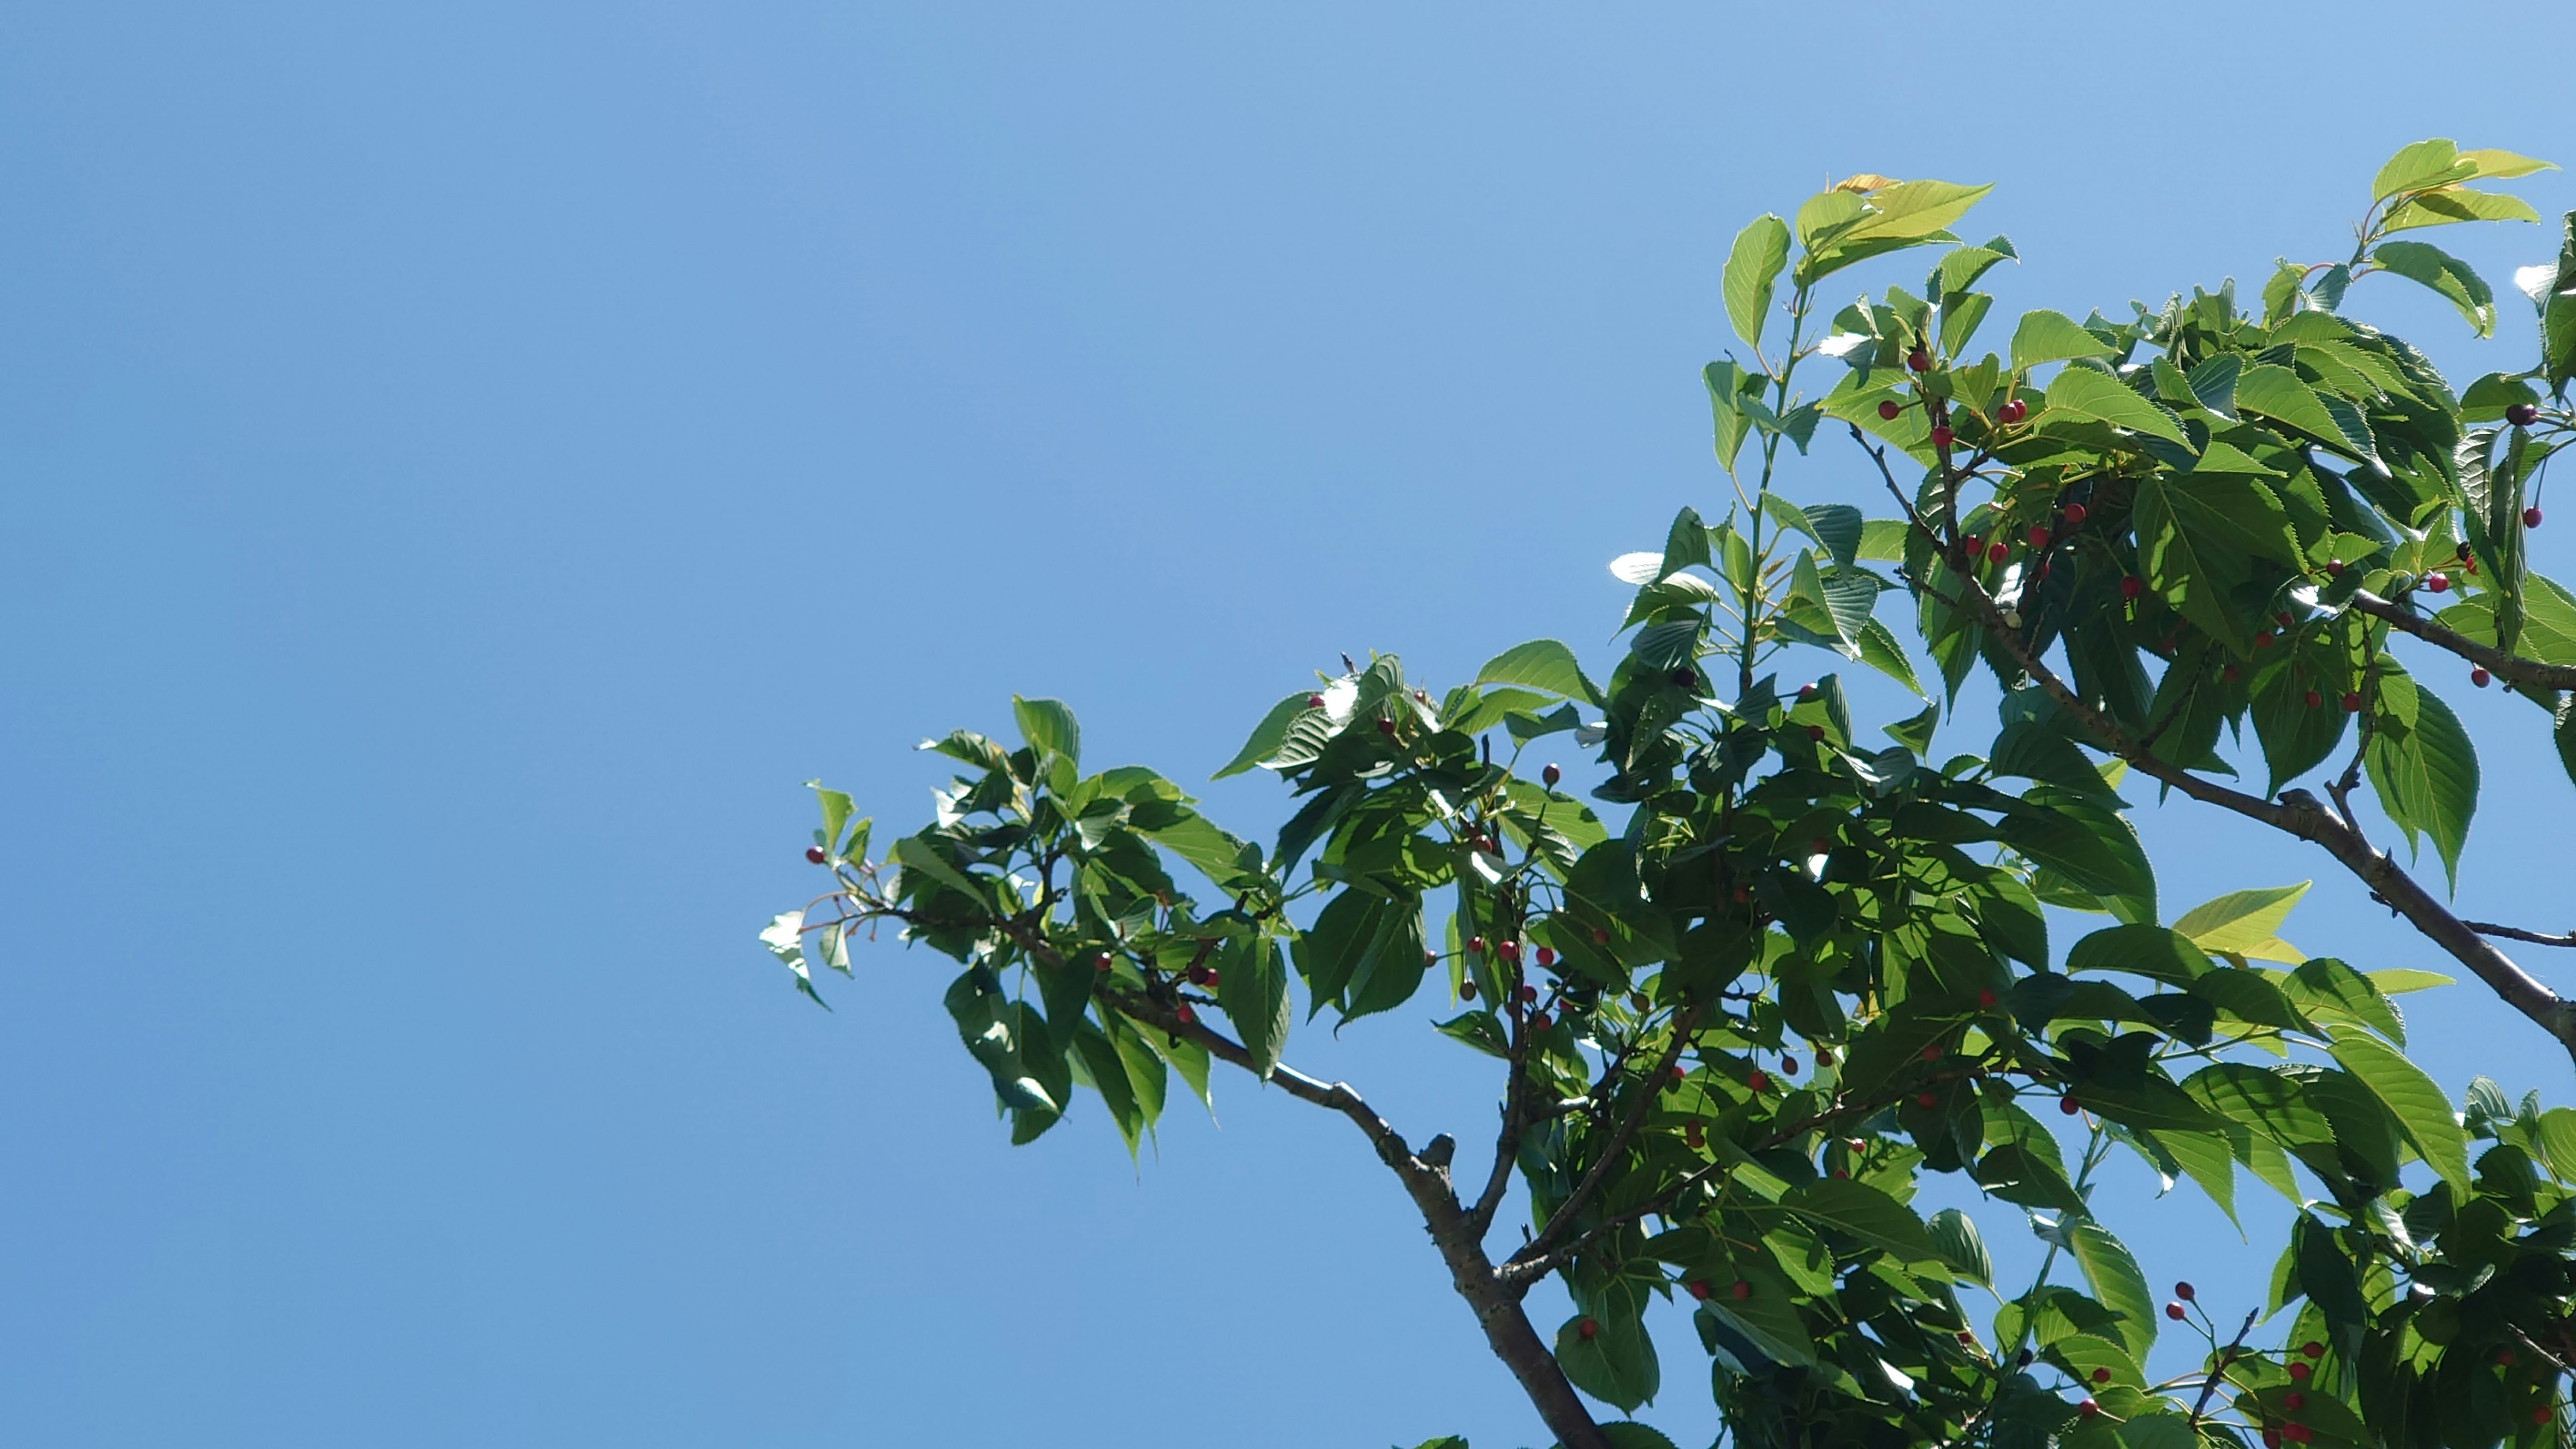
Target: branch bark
(1495,1301)
(1617,1147)
(2511,668)
(2297,812)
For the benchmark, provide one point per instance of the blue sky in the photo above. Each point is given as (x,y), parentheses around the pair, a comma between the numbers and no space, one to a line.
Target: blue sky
(464,469)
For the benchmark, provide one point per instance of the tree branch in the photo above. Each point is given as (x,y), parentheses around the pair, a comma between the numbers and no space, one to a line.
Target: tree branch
(1617,1147)
(1495,1301)
(2516,933)
(2511,668)
(2301,814)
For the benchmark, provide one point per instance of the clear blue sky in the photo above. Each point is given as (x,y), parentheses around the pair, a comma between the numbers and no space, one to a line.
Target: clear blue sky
(462,470)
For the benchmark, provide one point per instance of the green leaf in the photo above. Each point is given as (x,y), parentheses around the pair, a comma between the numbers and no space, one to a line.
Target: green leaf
(837,808)
(1615,1365)
(1541,664)
(2114,1278)
(2046,336)
(1626,1434)
(2496,165)
(2327,989)
(1364,951)
(2201,538)
(1479,1030)
(2425,771)
(1252,987)
(2245,923)
(2424,164)
(1727,414)
(2558,1142)
(915,854)
(1854,1208)
(2085,393)
(1954,1237)
(1268,735)
(1752,270)
(784,939)
(1048,725)
(2419,1106)
(2451,204)
(2140,950)
(1880,651)
(2445,274)
(2277,393)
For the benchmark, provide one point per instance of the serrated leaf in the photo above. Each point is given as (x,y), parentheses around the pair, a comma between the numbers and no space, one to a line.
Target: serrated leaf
(1954,1236)
(2044,336)
(1541,664)
(1049,727)
(2424,164)
(1752,270)
(2245,923)
(2446,275)
(2085,393)
(2410,1096)
(1267,735)
(1252,989)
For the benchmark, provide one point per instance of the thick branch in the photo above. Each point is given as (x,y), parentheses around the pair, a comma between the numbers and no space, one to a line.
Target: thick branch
(2301,814)
(1496,1303)
(2511,668)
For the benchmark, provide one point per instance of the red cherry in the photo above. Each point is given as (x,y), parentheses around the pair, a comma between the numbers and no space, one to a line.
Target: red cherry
(1475,945)
(2038,535)
(1529,993)
(1200,975)
(2351,703)
(1932,1051)
(2504,1357)
(2132,586)
(1538,1021)
(2540,1414)
(1600,936)
(1467,989)
(2013,410)
(2522,415)
(1685,678)
(2294,1400)
(1314,701)
(1697,1288)
(1546,956)
(1942,437)
(1926,1100)
(814,855)
(1587,1328)
(1824,1056)
(1806,693)
(1839,1172)
(2479,677)
(1815,732)
(1889,411)
(1968,1337)
(1973,545)
(1742,1290)
(1508,950)
(1693,1134)
(2230,673)
(1759,1080)
(2101,1376)
(1101,963)
(2300,1372)
(2271,1439)
(2531,516)
(2463,551)
(2295,1433)
(1741,895)
(2176,1312)
(2313,1349)
(2074,515)
(1997,553)
(1986,1000)
(1789,1066)
(1637,1000)
(2185,1292)
(1184,1013)
(2439,583)
(2262,638)
(2312,699)
(1918,360)
(1386,727)
(1550,776)
(1679,1075)
(2088,1408)
(2067,1106)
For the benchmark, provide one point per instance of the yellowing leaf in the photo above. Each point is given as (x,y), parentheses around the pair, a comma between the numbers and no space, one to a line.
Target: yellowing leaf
(2245,923)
